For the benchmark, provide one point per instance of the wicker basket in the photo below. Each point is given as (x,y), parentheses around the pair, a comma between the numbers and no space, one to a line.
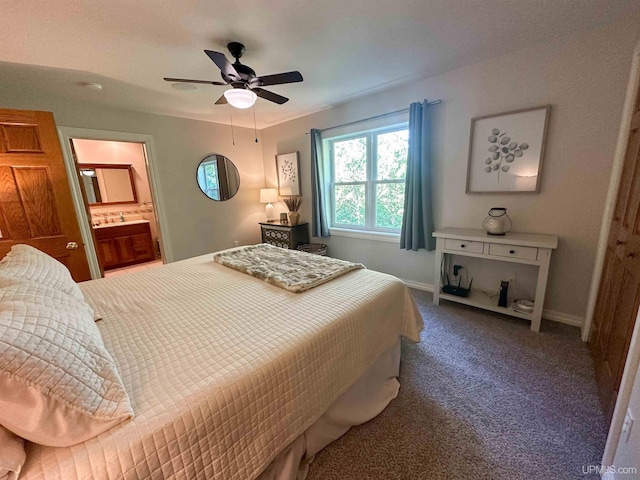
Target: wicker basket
(315,248)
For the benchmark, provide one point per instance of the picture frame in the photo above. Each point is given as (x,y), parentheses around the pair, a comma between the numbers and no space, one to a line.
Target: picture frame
(506,151)
(288,171)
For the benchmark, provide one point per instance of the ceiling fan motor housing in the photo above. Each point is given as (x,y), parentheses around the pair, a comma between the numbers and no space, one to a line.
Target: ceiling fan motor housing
(246,75)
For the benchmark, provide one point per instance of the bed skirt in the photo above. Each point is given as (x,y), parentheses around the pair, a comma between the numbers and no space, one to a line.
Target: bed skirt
(364,400)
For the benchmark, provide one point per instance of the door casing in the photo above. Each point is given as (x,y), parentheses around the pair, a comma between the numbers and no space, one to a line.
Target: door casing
(633,356)
(68,133)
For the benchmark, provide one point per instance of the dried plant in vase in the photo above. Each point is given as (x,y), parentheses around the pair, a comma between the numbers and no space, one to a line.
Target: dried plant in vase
(293,203)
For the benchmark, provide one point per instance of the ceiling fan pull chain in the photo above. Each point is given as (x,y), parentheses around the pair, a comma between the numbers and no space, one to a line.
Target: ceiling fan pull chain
(233,140)
(255,133)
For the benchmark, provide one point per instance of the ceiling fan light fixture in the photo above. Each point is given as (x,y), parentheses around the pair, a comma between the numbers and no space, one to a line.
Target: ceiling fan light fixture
(240,97)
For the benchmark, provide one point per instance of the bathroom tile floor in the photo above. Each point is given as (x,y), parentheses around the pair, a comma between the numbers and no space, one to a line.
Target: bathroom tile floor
(132,268)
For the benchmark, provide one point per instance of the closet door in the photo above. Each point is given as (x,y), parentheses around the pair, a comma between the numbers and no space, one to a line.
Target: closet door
(36,206)
(619,294)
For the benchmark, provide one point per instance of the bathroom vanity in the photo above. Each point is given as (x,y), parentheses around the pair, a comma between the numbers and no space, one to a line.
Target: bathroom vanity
(123,244)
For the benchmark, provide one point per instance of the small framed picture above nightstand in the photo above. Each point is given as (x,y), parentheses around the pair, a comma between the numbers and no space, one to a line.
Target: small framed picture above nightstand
(284,235)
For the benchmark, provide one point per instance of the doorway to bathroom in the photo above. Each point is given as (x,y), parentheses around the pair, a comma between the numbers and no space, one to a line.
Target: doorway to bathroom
(117,201)
(114,179)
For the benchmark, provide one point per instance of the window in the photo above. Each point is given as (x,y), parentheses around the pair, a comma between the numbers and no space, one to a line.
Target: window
(367,179)
(208,179)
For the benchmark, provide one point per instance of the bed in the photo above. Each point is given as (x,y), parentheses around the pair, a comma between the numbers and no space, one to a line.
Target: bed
(231,377)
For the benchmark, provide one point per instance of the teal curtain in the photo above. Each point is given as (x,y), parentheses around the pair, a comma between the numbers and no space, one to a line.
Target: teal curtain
(319,187)
(417,221)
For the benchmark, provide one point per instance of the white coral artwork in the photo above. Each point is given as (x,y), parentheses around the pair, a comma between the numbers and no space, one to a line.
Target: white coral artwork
(288,170)
(506,151)
(502,152)
(287,167)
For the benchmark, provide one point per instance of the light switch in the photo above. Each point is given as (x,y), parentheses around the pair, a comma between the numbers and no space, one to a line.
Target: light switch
(627,426)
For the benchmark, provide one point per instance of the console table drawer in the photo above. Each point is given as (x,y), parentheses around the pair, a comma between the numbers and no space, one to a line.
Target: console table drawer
(500,250)
(463,245)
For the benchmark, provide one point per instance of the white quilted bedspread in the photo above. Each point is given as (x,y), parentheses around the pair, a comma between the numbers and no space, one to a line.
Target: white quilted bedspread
(224,370)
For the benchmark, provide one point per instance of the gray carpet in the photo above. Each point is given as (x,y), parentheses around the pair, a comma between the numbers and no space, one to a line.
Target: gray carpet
(482,397)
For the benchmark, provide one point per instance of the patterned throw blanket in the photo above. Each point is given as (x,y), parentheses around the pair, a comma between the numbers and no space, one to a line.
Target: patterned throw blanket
(289,269)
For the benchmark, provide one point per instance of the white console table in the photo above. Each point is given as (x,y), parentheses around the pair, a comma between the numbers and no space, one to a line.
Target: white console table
(530,249)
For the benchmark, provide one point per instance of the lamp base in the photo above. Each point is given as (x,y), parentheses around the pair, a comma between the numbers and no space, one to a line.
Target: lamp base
(270,213)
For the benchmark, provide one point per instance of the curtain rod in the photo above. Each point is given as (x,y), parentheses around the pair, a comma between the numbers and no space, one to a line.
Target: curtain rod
(376,117)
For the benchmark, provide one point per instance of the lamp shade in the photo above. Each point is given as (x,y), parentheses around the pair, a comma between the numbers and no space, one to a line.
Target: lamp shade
(268,195)
(240,97)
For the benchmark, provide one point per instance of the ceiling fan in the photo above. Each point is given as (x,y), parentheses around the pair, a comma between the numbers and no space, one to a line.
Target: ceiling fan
(246,85)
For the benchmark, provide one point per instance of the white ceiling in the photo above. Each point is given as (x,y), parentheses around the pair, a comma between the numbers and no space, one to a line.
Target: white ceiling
(343,48)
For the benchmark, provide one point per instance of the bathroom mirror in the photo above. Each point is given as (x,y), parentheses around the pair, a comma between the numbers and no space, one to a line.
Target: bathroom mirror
(218,177)
(108,184)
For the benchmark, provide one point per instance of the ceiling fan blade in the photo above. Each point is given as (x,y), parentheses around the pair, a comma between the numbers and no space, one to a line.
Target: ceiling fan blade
(222,100)
(185,80)
(223,64)
(272,97)
(279,79)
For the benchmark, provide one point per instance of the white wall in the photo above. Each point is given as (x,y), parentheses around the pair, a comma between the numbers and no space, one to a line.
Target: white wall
(196,224)
(584,79)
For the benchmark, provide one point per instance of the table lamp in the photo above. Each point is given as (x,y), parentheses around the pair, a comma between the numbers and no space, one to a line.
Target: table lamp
(268,195)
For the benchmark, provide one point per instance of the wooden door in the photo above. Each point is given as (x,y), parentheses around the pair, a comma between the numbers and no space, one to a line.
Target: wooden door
(619,293)
(36,206)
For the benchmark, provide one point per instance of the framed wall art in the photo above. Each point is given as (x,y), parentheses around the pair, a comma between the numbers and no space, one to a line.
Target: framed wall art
(288,168)
(506,151)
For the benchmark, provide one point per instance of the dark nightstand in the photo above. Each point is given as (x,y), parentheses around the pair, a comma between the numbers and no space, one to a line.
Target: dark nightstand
(284,235)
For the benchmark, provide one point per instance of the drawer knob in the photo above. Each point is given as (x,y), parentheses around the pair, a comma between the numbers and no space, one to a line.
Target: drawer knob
(462,245)
(632,255)
(620,242)
(512,251)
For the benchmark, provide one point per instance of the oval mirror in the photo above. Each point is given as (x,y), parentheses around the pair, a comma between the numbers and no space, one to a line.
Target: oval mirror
(218,177)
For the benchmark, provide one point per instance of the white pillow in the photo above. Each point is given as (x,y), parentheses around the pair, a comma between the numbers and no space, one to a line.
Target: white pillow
(58,384)
(25,262)
(29,263)
(12,455)
(14,288)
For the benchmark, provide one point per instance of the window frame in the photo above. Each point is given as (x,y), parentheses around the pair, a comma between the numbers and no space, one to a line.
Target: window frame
(370,183)
(210,191)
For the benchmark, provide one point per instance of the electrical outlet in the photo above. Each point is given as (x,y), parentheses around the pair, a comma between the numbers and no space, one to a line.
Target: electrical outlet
(235,243)
(627,426)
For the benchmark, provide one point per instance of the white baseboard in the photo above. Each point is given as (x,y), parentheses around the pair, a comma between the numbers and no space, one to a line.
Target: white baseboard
(427,287)
(566,318)
(560,317)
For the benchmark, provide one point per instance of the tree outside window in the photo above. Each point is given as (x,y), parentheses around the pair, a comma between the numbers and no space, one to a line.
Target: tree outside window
(209,180)
(367,179)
